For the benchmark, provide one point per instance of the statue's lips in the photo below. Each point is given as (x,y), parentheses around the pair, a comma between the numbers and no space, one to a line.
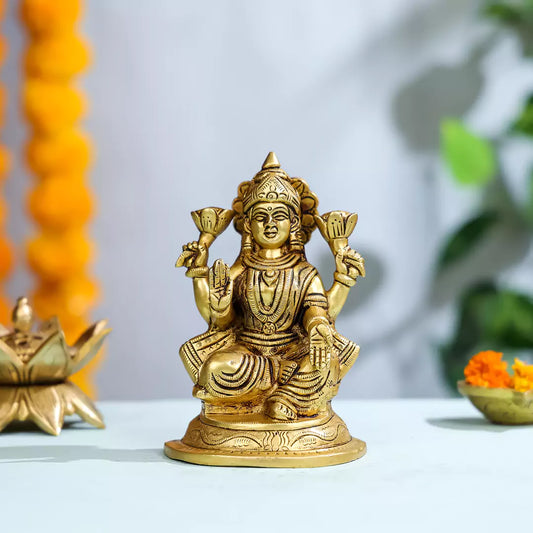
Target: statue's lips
(270,234)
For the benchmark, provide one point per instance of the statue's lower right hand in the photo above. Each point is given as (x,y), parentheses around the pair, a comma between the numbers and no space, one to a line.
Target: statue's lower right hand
(193,255)
(220,287)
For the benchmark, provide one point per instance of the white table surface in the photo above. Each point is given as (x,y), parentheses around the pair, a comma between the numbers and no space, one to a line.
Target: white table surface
(432,465)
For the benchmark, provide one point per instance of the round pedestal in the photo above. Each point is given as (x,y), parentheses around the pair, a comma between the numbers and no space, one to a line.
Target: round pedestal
(255,440)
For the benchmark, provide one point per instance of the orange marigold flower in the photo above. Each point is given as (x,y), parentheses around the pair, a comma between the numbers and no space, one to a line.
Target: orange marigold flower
(3,48)
(523,376)
(56,257)
(486,369)
(60,202)
(70,300)
(5,310)
(52,106)
(6,257)
(67,152)
(58,57)
(5,162)
(50,16)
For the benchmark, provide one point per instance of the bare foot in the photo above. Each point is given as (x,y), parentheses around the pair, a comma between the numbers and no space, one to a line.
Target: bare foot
(280,411)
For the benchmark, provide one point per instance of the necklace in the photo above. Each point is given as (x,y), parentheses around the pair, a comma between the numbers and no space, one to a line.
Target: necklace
(260,263)
(269,315)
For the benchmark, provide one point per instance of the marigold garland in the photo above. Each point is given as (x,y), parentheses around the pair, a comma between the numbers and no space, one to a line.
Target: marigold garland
(59,155)
(6,249)
(486,369)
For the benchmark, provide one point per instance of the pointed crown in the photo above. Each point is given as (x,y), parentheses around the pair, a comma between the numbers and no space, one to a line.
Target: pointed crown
(271,184)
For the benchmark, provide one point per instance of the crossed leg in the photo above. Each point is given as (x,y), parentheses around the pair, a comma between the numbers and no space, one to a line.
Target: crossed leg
(235,373)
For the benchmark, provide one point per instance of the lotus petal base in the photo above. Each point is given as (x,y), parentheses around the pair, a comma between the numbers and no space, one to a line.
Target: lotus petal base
(255,440)
(500,406)
(46,405)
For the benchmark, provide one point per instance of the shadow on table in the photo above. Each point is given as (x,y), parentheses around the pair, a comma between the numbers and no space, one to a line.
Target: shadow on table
(469,424)
(30,427)
(68,454)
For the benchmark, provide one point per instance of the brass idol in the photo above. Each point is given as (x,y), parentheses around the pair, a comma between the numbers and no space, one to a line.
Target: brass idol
(271,359)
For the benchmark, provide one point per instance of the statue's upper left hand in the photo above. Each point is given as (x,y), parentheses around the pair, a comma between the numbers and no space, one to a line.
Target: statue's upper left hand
(193,255)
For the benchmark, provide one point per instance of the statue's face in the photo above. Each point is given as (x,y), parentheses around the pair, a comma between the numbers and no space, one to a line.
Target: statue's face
(271,224)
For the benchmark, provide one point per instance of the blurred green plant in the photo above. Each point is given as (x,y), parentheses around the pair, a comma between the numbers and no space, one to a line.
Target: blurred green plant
(490,316)
(517,15)
(470,158)
(459,244)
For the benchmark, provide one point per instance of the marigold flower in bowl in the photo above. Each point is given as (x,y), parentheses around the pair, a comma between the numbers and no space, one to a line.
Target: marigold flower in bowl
(501,398)
(35,364)
(522,380)
(486,369)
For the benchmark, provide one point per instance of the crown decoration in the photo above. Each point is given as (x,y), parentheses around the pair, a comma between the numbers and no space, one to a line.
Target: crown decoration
(271,188)
(34,366)
(273,184)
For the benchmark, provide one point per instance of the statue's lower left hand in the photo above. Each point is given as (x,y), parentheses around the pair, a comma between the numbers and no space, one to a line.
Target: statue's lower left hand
(320,345)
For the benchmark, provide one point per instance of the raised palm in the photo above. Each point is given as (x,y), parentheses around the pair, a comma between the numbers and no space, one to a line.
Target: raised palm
(220,286)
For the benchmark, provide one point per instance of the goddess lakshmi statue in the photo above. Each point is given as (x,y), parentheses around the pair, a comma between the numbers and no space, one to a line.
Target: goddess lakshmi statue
(271,359)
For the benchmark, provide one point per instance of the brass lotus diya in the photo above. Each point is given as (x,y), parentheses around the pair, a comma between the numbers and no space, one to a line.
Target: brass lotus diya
(34,367)
(499,405)
(271,359)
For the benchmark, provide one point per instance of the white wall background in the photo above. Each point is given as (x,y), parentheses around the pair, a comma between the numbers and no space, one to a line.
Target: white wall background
(187,99)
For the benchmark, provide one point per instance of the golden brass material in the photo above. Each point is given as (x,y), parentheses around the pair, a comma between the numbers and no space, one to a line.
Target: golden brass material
(46,405)
(271,359)
(255,440)
(211,222)
(336,227)
(500,406)
(34,367)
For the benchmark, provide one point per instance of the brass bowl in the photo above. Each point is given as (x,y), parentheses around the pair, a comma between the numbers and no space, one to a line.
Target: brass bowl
(500,406)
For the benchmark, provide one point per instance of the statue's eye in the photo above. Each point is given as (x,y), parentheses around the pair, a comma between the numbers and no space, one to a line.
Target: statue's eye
(280,215)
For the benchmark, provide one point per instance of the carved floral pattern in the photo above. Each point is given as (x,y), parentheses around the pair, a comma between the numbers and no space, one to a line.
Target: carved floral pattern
(201,434)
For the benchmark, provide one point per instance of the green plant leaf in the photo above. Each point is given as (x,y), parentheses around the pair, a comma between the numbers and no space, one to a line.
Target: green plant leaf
(503,12)
(517,16)
(524,123)
(470,158)
(466,237)
(489,319)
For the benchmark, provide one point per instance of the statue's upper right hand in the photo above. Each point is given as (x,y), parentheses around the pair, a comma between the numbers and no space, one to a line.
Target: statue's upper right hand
(350,263)
(193,255)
